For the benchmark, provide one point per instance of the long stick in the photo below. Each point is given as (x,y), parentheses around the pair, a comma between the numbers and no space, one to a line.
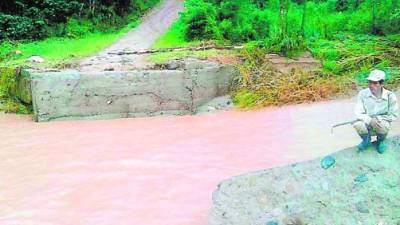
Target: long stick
(353,121)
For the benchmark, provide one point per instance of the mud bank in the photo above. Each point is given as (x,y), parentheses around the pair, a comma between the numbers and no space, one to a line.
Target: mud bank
(360,188)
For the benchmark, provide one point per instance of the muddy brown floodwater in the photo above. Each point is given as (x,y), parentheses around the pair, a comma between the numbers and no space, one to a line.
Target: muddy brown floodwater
(152,170)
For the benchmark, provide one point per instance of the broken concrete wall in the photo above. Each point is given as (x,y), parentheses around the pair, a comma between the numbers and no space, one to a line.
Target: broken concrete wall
(74,94)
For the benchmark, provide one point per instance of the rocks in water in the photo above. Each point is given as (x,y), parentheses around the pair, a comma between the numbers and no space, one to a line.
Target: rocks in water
(327,162)
(218,103)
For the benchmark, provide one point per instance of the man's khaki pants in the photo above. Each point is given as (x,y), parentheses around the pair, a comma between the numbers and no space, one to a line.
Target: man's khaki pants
(375,127)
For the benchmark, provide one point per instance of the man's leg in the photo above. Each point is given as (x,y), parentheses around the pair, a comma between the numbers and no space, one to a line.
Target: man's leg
(381,127)
(363,131)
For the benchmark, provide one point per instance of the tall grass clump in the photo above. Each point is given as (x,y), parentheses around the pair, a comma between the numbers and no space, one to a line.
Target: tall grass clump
(261,84)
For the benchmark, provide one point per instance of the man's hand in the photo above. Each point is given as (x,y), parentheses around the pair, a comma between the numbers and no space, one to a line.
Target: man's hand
(365,118)
(376,122)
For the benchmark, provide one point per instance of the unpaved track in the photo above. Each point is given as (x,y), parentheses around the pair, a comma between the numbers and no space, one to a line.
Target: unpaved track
(153,25)
(152,170)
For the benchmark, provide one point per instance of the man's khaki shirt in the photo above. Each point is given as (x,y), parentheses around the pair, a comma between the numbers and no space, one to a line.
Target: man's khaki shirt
(368,106)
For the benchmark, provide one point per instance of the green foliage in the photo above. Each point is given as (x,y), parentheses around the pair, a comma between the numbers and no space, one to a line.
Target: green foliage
(252,20)
(236,21)
(174,37)
(354,56)
(245,99)
(289,46)
(200,20)
(8,92)
(18,27)
(331,67)
(342,5)
(56,50)
(8,82)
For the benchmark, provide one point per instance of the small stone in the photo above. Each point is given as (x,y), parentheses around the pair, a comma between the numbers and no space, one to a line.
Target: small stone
(361,207)
(361,178)
(210,108)
(35,59)
(327,162)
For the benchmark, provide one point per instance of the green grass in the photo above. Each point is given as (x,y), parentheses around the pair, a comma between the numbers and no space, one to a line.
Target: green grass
(57,50)
(163,57)
(353,56)
(245,99)
(174,37)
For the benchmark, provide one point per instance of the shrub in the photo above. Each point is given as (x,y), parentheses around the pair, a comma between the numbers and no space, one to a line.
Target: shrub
(20,27)
(261,84)
(200,21)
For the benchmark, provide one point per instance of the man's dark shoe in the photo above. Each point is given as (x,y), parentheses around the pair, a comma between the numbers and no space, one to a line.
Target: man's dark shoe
(366,141)
(381,145)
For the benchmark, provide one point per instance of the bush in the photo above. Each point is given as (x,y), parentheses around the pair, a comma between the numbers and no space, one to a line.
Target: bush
(254,20)
(9,101)
(79,27)
(342,5)
(19,27)
(287,45)
(200,21)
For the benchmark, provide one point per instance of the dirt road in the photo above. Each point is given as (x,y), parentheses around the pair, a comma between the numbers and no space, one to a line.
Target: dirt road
(152,170)
(153,25)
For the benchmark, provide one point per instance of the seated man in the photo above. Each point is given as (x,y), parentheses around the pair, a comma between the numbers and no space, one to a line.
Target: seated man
(376,108)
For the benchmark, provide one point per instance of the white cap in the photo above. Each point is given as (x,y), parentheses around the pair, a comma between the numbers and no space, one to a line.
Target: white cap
(376,75)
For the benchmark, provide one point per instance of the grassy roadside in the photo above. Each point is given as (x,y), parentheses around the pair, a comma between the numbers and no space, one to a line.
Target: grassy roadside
(82,38)
(346,60)
(56,50)
(174,37)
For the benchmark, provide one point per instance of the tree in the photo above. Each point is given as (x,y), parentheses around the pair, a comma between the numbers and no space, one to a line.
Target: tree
(303,19)
(342,5)
(282,10)
(375,28)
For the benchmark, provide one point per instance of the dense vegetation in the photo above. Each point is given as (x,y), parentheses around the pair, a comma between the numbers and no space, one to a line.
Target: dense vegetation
(27,19)
(247,20)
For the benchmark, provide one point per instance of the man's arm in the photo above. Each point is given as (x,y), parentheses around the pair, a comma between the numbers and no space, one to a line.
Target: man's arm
(393,112)
(360,111)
